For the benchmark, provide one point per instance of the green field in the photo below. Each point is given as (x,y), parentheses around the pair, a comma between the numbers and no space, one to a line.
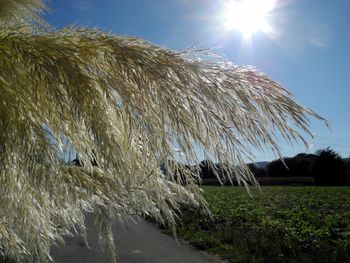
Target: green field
(278,224)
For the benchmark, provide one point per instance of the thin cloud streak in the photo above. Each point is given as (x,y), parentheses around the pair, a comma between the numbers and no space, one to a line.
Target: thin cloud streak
(316,42)
(82,5)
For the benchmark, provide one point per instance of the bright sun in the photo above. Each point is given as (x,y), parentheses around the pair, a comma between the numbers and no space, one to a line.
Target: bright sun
(247,16)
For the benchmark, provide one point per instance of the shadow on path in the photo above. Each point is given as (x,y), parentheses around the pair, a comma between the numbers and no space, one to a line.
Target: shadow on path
(138,242)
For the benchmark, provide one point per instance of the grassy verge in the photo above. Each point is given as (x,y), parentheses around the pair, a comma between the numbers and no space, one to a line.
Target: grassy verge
(279,224)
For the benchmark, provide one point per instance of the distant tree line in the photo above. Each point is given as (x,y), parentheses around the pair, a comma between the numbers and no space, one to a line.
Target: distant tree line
(325,167)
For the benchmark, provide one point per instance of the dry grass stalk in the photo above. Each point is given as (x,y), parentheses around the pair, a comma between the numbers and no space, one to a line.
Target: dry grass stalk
(131,102)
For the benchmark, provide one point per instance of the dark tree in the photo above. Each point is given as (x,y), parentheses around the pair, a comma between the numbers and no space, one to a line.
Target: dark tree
(302,164)
(347,171)
(328,168)
(207,169)
(277,168)
(297,166)
(216,173)
(256,170)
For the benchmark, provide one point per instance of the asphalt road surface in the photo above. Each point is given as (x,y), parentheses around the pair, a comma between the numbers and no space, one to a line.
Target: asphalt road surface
(139,242)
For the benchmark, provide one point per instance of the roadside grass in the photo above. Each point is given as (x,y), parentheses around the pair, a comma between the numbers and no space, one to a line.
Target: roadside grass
(276,224)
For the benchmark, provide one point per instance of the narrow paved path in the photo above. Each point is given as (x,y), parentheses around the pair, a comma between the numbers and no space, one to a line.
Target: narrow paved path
(138,242)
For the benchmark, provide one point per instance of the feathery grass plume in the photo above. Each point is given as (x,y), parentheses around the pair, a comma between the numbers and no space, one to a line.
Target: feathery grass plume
(15,11)
(129,103)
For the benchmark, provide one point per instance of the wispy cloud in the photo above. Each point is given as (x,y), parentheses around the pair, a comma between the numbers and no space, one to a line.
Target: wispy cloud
(317,41)
(319,34)
(82,5)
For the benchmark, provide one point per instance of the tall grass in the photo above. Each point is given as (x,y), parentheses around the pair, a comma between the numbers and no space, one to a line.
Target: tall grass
(79,90)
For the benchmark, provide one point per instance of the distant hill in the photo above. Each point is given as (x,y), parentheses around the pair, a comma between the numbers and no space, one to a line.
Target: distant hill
(261,164)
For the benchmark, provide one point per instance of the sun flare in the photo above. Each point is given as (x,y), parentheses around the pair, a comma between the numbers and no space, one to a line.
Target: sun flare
(247,16)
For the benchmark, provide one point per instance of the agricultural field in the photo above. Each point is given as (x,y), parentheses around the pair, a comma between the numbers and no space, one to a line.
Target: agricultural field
(276,224)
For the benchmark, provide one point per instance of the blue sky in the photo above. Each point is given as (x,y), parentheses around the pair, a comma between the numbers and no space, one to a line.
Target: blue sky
(307,50)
